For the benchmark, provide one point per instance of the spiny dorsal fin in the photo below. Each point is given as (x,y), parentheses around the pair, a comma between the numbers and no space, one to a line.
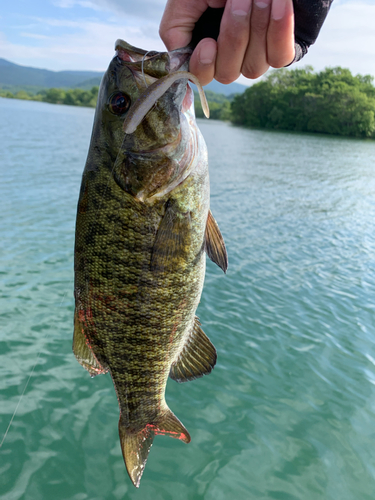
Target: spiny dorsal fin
(136,445)
(197,357)
(83,353)
(172,240)
(215,246)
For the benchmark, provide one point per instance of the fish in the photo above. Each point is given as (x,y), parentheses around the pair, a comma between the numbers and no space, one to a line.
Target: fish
(143,230)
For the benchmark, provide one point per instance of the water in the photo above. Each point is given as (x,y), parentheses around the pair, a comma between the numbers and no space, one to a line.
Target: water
(289,411)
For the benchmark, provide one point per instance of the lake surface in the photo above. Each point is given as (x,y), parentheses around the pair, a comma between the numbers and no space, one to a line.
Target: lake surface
(289,411)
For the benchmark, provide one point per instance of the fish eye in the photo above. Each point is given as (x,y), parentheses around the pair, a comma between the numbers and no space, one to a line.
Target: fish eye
(118,103)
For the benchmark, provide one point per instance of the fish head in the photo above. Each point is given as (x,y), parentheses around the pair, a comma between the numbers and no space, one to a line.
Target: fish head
(146,160)
(130,73)
(159,126)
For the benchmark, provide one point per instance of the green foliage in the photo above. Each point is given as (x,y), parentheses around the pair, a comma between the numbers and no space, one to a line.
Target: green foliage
(219,105)
(332,101)
(13,89)
(72,97)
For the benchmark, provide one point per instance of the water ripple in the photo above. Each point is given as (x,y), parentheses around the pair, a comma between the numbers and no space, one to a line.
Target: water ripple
(289,411)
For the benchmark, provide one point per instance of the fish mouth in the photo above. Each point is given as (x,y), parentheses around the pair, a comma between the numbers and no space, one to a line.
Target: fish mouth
(149,66)
(152,63)
(157,74)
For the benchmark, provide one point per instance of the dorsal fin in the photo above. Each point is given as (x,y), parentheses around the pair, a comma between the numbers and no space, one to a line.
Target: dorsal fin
(215,246)
(197,357)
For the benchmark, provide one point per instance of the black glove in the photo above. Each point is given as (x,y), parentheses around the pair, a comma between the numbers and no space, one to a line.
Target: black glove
(309,16)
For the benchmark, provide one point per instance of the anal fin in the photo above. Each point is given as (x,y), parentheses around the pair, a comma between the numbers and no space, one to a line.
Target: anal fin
(197,357)
(215,246)
(83,353)
(136,445)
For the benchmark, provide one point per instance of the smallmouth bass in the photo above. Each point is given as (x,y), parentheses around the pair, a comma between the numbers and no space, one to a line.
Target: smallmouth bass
(143,228)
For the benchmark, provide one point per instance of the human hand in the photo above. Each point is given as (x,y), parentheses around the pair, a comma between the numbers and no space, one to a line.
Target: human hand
(254,35)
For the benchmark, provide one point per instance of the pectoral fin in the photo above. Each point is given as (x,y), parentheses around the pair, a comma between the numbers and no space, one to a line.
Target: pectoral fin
(172,240)
(136,445)
(83,353)
(215,246)
(197,357)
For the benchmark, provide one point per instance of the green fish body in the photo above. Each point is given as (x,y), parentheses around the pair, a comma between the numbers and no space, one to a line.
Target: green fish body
(143,228)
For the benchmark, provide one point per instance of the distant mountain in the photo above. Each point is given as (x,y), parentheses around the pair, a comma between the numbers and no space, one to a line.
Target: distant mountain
(90,83)
(14,75)
(231,88)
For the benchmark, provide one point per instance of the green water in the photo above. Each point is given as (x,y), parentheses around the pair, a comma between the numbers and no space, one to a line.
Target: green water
(289,411)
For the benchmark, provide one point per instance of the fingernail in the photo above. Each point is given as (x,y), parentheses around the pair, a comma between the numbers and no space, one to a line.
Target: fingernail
(241,7)
(207,53)
(262,4)
(278,9)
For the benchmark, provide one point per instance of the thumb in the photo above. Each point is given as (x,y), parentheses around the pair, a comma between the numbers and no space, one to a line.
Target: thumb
(203,59)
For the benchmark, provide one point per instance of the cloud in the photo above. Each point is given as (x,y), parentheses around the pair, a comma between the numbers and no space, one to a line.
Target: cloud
(144,9)
(36,36)
(68,4)
(347,39)
(88,46)
(80,34)
(149,9)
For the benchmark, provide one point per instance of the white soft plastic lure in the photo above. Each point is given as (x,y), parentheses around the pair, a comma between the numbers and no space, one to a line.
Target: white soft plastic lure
(152,93)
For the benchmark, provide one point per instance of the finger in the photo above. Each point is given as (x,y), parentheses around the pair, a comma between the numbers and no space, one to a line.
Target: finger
(177,23)
(179,19)
(202,62)
(233,40)
(280,35)
(255,62)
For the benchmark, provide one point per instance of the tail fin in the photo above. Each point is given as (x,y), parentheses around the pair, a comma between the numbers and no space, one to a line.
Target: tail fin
(136,445)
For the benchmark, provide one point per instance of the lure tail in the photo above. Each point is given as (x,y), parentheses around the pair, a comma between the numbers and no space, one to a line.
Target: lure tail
(136,445)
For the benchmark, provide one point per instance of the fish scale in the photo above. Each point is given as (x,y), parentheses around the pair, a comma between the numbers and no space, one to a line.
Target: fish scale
(133,245)
(143,226)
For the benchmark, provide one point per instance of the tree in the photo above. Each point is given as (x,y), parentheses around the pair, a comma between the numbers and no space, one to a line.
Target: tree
(55,96)
(332,101)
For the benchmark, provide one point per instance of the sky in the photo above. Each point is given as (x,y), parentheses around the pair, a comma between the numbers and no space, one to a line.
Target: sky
(80,34)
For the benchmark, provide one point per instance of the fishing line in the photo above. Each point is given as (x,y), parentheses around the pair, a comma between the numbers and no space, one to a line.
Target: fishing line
(21,397)
(28,381)
(46,337)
